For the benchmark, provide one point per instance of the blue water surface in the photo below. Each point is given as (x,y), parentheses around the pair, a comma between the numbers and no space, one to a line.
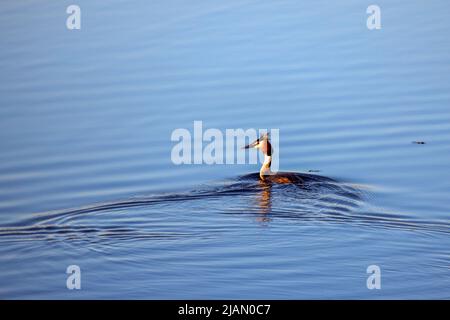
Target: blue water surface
(86,176)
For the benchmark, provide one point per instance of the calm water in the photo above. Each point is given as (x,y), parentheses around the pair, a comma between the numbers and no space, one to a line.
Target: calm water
(86,176)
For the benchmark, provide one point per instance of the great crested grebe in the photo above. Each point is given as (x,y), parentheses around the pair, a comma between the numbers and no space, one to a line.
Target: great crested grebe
(265,174)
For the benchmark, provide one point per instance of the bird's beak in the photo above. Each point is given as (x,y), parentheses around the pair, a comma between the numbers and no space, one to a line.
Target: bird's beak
(251,145)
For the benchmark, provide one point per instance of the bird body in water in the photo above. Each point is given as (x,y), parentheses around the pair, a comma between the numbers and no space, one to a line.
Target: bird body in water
(265,173)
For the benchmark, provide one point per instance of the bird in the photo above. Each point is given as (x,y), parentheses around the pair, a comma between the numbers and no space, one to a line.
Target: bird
(265,174)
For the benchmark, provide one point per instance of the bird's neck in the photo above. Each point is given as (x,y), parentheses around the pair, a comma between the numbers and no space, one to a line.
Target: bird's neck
(265,168)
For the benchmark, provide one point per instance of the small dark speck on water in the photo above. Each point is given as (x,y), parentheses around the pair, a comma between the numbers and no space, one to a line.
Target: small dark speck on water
(313,170)
(418,142)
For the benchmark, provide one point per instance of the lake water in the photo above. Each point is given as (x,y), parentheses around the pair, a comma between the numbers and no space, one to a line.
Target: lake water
(86,176)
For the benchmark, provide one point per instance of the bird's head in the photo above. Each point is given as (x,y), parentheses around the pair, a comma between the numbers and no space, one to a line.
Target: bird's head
(261,143)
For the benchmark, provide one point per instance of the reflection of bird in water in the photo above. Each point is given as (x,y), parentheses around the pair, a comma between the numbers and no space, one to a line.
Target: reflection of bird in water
(265,174)
(265,201)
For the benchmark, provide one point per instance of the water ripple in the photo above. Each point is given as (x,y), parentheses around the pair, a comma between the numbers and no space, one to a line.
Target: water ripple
(316,199)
